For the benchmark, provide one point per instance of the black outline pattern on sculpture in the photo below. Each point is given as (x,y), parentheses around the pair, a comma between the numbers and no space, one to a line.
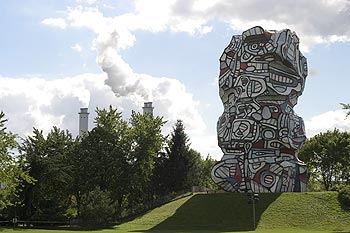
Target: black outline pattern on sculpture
(262,74)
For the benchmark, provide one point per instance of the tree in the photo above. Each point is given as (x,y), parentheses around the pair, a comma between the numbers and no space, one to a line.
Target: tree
(159,179)
(182,164)
(177,150)
(118,157)
(147,142)
(102,158)
(97,207)
(47,161)
(328,157)
(207,165)
(194,167)
(346,107)
(12,175)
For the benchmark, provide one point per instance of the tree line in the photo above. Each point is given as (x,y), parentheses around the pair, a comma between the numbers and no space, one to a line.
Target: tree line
(117,165)
(327,155)
(121,164)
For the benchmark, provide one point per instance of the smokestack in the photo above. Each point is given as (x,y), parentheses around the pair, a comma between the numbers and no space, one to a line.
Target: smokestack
(83,121)
(147,108)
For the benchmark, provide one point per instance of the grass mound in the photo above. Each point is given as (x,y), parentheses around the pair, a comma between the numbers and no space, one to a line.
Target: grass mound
(230,212)
(306,210)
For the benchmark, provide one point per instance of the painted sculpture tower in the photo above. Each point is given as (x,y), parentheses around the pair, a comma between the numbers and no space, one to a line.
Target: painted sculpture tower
(262,74)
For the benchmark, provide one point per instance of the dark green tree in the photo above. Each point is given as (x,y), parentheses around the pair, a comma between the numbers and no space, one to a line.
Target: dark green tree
(182,164)
(48,162)
(328,157)
(177,153)
(118,157)
(159,179)
(12,175)
(194,169)
(97,207)
(147,143)
(102,158)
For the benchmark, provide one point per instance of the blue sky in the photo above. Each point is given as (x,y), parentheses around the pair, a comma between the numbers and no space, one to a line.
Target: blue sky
(57,56)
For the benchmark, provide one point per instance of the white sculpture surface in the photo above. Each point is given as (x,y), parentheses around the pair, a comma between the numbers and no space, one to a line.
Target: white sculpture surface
(262,74)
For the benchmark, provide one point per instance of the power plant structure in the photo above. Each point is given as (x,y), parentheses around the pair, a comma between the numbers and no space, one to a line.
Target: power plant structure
(84,117)
(83,121)
(147,108)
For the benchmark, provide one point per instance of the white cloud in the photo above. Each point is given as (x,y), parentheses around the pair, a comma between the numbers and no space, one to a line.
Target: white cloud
(327,121)
(207,144)
(203,5)
(90,2)
(170,95)
(165,17)
(171,100)
(314,21)
(77,48)
(57,22)
(326,20)
(41,103)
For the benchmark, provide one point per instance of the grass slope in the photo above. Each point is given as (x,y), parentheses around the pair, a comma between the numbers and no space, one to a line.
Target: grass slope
(229,212)
(308,211)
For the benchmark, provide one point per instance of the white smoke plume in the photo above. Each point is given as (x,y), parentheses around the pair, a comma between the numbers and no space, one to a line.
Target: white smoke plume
(121,77)
(169,95)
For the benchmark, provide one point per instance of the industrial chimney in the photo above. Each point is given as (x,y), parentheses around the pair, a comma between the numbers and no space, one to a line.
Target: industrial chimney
(83,121)
(147,108)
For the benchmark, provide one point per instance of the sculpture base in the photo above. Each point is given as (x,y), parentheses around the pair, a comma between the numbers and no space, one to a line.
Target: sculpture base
(237,173)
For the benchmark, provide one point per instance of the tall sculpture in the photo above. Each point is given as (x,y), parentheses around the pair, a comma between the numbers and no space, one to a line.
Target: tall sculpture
(262,74)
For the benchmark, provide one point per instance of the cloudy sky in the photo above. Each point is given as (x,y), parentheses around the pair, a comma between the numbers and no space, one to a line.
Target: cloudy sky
(59,55)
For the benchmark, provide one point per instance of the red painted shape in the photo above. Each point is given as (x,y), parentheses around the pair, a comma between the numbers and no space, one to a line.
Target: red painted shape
(222,71)
(238,175)
(276,115)
(287,151)
(243,66)
(259,144)
(230,54)
(303,178)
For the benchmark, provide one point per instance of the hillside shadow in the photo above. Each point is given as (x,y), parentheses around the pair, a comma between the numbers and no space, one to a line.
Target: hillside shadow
(216,213)
(59,228)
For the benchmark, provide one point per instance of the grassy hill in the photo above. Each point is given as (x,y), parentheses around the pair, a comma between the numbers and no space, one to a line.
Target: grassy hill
(230,212)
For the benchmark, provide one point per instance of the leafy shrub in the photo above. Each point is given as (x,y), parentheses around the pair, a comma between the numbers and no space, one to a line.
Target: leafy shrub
(97,207)
(344,197)
(71,213)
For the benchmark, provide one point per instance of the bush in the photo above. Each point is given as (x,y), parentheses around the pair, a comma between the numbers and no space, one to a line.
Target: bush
(97,207)
(344,197)
(71,213)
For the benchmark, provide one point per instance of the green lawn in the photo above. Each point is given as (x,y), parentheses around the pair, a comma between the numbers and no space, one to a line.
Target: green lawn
(229,212)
